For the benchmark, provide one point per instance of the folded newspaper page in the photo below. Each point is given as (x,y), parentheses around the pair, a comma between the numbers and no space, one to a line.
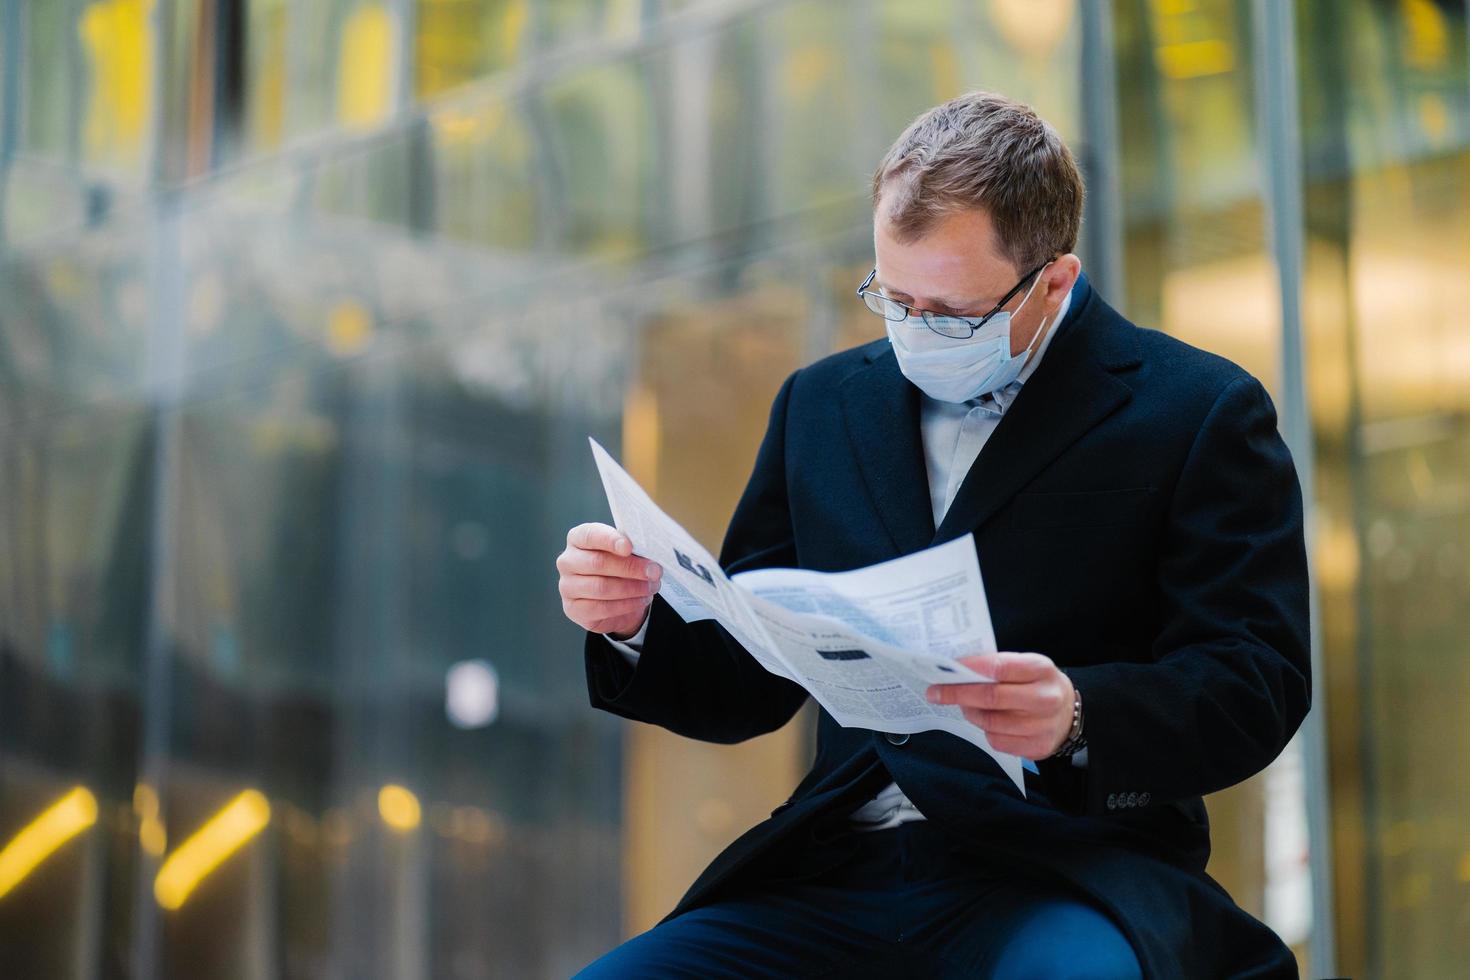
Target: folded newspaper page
(864,643)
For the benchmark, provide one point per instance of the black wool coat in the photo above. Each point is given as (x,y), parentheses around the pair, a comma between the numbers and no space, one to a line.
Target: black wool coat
(1138,519)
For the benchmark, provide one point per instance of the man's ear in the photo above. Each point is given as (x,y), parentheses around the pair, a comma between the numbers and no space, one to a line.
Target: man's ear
(1061,276)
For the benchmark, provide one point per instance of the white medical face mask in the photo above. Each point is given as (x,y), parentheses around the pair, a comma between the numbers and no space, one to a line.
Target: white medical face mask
(952,370)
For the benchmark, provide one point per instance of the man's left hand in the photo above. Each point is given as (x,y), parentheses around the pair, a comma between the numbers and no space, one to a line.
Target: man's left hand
(1026,712)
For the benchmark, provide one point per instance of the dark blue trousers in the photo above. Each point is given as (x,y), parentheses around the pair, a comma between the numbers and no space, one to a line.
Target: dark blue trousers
(887,903)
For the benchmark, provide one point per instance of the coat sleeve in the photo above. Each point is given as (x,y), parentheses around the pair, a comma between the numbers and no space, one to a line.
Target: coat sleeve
(693,678)
(1228,679)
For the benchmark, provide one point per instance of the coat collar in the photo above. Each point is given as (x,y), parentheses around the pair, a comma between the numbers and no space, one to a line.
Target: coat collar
(1073,389)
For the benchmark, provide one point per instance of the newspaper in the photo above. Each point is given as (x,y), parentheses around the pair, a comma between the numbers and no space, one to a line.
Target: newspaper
(864,643)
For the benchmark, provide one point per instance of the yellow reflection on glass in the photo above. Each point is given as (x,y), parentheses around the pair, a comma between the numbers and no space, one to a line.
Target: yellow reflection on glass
(1426,35)
(153,837)
(37,840)
(1196,59)
(512,30)
(150,828)
(349,327)
(458,41)
(221,835)
(641,436)
(1034,27)
(364,91)
(117,36)
(807,67)
(399,808)
(457,125)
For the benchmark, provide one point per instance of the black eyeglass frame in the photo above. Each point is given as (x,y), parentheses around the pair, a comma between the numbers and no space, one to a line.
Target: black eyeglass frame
(863,293)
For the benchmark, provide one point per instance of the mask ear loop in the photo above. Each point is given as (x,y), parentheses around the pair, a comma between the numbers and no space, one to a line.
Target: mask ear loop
(1042,327)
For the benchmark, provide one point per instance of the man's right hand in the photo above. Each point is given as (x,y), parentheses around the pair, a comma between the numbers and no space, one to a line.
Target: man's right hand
(605,588)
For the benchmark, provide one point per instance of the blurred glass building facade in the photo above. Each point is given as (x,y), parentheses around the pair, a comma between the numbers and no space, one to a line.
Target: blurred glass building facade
(307,310)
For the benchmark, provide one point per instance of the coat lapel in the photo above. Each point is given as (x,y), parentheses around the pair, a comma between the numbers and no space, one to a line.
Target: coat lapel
(1072,390)
(881,410)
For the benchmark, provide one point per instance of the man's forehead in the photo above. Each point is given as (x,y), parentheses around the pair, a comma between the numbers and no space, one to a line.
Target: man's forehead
(954,302)
(956,286)
(953,263)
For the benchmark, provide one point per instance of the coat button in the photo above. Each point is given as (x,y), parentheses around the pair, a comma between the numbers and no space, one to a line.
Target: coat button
(895,738)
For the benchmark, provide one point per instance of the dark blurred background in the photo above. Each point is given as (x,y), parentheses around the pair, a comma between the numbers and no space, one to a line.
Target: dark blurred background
(307,310)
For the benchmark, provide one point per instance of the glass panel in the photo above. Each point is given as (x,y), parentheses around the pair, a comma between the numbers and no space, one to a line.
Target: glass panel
(355,375)
(1386,110)
(323,63)
(76,499)
(814,104)
(357,526)
(49,84)
(1198,263)
(117,41)
(600,136)
(267,30)
(580,20)
(461,40)
(485,163)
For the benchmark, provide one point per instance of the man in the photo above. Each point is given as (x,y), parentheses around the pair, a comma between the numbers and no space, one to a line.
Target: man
(1139,528)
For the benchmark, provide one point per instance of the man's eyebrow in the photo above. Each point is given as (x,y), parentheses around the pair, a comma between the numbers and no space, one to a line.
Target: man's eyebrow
(948,304)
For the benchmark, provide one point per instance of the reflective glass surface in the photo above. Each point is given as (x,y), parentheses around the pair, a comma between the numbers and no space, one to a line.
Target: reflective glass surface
(307,311)
(1386,138)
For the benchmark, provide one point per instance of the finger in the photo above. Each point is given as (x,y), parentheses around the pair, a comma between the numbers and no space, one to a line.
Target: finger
(1043,699)
(579,561)
(1003,722)
(605,587)
(1005,697)
(600,537)
(1011,667)
(591,610)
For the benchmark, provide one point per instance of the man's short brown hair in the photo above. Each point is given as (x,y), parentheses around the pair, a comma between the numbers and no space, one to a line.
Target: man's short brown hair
(981,150)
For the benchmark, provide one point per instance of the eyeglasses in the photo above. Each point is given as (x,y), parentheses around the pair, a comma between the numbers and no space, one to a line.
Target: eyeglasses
(954,327)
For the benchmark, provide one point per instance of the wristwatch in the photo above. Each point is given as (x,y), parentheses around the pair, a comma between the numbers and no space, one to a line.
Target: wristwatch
(1074,741)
